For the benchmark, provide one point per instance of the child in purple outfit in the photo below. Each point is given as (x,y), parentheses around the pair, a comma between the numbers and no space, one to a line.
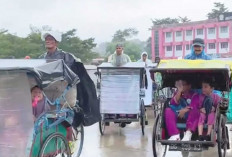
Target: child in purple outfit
(203,106)
(207,92)
(179,108)
(39,105)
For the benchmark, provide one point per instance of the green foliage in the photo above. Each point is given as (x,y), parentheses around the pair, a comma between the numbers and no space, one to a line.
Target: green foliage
(219,8)
(121,36)
(33,46)
(167,20)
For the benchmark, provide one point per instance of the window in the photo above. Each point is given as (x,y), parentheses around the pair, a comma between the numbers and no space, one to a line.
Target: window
(189,33)
(188,47)
(199,31)
(178,34)
(224,29)
(168,34)
(224,45)
(212,46)
(169,48)
(178,47)
(211,30)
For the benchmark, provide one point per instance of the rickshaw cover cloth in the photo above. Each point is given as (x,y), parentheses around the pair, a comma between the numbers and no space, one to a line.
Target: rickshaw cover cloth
(16,118)
(195,71)
(120,88)
(44,71)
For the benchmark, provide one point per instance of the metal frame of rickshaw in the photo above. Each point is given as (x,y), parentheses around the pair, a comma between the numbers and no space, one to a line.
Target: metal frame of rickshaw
(60,115)
(220,130)
(141,117)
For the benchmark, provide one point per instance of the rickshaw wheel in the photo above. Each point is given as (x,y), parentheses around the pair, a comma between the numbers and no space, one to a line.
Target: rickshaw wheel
(58,142)
(78,136)
(142,116)
(222,138)
(159,150)
(102,126)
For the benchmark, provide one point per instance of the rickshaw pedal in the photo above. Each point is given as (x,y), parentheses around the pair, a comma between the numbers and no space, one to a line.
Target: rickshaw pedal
(146,122)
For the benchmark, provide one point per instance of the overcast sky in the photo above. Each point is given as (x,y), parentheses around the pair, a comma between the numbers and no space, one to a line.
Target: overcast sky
(98,18)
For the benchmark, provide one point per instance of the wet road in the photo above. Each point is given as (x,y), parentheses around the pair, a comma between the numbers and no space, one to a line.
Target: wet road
(129,141)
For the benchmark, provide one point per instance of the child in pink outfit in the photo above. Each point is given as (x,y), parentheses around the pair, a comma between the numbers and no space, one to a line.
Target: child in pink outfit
(207,101)
(179,108)
(39,105)
(207,93)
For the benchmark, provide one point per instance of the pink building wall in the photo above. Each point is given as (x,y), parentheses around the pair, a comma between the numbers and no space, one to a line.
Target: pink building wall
(190,26)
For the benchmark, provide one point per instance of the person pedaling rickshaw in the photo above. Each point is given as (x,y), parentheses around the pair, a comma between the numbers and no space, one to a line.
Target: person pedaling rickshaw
(206,118)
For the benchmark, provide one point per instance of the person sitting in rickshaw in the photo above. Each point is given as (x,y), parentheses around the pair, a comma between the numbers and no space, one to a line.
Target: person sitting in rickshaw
(204,106)
(39,104)
(208,108)
(179,107)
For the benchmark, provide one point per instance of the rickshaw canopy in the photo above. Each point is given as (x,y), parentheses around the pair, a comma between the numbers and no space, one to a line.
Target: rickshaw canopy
(120,87)
(195,71)
(44,71)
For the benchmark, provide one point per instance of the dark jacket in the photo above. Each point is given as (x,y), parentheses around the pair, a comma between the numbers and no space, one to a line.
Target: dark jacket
(86,92)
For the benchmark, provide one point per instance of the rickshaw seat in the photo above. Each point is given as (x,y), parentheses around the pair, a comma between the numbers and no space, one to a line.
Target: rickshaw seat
(183,126)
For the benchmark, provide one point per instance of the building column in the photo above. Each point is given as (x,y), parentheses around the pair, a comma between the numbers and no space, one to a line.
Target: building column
(173,45)
(205,38)
(230,38)
(161,43)
(153,45)
(217,39)
(184,45)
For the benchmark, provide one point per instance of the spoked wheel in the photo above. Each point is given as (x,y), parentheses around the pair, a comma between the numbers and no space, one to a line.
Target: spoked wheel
(142,116)
(56,145)
(78,141)
(222,138)
(159,150)
(102,126)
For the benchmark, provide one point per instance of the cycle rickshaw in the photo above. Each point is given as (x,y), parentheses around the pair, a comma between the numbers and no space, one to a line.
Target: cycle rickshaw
(47,136)
(121,92)
(171,70)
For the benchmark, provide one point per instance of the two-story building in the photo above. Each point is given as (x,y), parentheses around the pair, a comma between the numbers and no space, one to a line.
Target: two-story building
(175,40)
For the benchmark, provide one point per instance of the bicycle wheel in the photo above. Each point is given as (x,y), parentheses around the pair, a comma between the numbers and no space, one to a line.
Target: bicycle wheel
(159,150)
(78,140)
(102,126)
(142,116)
(55,145)
(221,137)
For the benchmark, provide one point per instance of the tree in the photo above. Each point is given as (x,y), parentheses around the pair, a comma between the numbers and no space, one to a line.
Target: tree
(32,45)
(183,19)
(219,8)
(80,48)
(148,46)
(167,20)
(121,36)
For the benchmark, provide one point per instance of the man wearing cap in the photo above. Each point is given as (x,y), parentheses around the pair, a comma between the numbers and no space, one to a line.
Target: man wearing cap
(52,39)
(197,51)
(86,96)
(119,58)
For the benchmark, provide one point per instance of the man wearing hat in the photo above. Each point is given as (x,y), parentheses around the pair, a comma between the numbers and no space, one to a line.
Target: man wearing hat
(52,39)
(86,96)
(119,58)
(197,51)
